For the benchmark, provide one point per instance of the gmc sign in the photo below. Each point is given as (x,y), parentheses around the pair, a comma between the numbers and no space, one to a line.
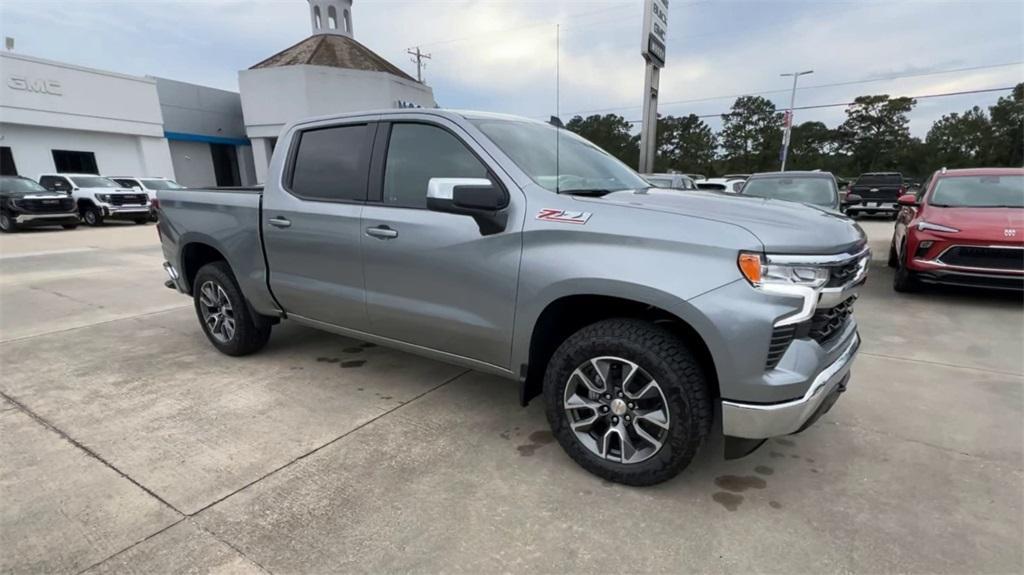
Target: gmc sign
(37,85)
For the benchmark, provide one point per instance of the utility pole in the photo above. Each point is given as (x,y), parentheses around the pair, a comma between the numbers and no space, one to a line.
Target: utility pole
(418,57)
(789,115)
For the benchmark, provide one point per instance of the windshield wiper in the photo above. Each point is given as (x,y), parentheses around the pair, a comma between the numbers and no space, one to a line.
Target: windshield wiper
(595,192)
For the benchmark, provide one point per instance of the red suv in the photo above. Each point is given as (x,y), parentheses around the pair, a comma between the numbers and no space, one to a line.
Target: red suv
(965,228)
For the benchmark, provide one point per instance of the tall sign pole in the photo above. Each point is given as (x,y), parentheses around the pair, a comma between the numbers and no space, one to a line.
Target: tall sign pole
(652,48)
(789,116)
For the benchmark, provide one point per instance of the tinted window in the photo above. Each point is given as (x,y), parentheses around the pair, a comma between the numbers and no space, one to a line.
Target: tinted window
(127,183)
(19,185)
(94,182)
(7,167)
(879,180)
(331,163)
(418,152)
(55,183)
(75,162)
(163,185)
(660,182)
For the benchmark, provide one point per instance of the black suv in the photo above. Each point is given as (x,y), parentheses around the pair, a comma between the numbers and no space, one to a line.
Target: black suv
(878,192)
(24,203)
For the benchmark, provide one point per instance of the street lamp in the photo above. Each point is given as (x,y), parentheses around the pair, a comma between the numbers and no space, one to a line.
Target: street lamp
(789,115)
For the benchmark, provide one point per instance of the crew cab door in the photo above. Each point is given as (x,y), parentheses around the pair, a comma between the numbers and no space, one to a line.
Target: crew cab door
(433,279)
(311,222)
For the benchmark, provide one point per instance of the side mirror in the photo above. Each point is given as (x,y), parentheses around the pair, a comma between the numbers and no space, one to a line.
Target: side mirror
(907,200)
(476,197)
(851,199)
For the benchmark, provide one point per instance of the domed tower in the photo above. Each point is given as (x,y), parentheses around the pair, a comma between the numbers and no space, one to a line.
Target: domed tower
(331,17)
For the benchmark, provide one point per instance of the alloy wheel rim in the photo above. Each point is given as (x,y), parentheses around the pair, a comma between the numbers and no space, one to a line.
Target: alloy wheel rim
(5,221)
(616,409)
(218,315)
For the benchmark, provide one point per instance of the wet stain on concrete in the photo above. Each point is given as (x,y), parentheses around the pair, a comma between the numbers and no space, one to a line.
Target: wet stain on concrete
(507,434)
(775,504)
(328,359)
(763,470)
(814,470)
(359,389)
(353,363)
(537,439)
(785,442)
(738,484)
(730,501)
(794,456)
(775,454)
(809,459)
(353,350)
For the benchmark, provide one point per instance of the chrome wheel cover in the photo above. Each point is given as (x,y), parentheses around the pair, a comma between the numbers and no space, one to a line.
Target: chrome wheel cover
(616,409)
(218,315)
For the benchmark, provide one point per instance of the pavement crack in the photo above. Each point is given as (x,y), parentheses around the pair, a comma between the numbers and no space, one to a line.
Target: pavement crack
(231,545)
(132,546)
(46,423)
(106,321)
(941,364)
(331,442)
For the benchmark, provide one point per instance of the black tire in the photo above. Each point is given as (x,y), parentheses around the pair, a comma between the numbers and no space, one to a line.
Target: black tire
(251,330)
(69,226)
(893,256)
(904,280)
(668,361)
(7,223)
(140,221)
(92,216)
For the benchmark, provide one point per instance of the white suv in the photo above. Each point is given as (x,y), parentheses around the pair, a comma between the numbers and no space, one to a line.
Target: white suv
(100,198)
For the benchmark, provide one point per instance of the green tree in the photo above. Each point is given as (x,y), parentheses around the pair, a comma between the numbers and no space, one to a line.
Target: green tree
(961,140)
(876,131)
(813,145)
(685,144)
(751,136)
(1007,120)
(611,133)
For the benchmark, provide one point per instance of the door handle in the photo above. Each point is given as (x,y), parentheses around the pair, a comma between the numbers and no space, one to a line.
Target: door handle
(382,232)
(280,222)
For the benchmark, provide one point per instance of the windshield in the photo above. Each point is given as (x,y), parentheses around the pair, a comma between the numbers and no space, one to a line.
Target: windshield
(162,185)
(21,186)
(574,164)
(94,182)
(820,191)
(979,192)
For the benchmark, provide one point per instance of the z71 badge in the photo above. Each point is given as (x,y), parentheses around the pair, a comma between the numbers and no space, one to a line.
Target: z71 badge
(562,216)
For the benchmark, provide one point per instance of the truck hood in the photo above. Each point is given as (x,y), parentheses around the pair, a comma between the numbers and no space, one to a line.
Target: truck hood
(783,227)
(980,224)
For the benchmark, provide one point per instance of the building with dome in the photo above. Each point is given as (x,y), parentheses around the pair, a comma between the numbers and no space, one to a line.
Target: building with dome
(329,72)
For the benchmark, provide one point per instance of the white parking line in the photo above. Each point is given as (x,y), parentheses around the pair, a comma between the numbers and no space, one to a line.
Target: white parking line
(48,253)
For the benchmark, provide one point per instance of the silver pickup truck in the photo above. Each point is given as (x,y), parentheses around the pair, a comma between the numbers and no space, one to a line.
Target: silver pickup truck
(515,248)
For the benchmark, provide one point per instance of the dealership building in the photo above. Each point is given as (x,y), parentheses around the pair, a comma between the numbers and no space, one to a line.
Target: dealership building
(67,118)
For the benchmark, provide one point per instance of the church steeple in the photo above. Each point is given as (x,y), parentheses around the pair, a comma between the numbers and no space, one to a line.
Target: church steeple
(331,17)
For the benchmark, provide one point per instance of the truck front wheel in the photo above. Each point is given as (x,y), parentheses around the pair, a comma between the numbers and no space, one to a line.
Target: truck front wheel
(628,401)
(92,216)
(227,320)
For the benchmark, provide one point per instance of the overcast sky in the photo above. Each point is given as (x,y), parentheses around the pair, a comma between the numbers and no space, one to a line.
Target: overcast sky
(499,55)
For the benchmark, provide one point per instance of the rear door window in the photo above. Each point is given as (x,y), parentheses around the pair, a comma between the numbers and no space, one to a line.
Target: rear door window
(55,183)
(331,164)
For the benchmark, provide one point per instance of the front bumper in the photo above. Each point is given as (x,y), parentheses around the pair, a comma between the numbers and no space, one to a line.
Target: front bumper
(874,206)
(125,212)
(52,219)
(761,421)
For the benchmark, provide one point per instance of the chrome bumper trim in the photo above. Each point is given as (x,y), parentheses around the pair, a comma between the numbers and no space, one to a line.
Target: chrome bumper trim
(753,421)
(58,216)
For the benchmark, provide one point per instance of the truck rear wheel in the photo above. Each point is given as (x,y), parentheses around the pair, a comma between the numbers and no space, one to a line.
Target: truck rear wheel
(627,401)
(227,320)
(92,216)
(7,223)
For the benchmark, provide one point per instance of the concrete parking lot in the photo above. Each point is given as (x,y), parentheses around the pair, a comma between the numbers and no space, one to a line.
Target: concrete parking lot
(128,444)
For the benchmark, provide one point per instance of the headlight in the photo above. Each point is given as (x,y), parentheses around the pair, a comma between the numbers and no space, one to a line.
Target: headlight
(758,272)
(103,197)
(928,226)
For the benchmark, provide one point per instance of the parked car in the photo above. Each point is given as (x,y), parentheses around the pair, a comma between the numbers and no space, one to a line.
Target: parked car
(634,311)
(878,193)
(25,203)
(735,176)
(720,185)
(674,181)
(966,229)
(696,177)
(99,198)
(814,188)
(148,185)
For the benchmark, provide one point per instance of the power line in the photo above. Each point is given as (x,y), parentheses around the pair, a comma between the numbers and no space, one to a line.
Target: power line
(840,104)
(813,86)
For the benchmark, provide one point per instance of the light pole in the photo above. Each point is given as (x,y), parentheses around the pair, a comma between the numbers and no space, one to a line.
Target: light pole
(789,115)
